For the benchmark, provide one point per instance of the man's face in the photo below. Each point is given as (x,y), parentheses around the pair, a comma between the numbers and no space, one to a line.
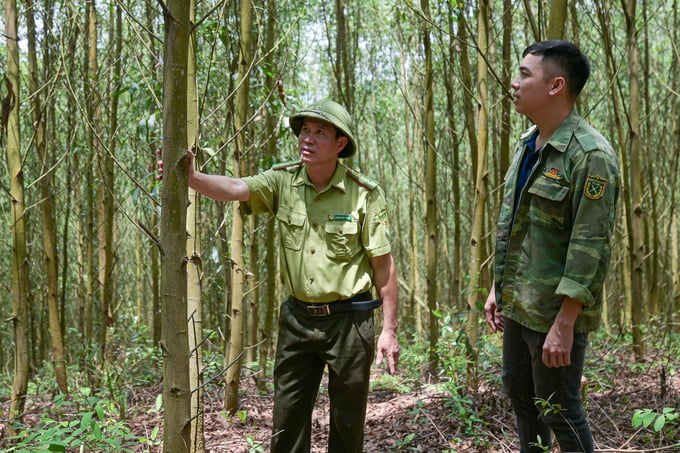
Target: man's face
(318,142)
(531,88)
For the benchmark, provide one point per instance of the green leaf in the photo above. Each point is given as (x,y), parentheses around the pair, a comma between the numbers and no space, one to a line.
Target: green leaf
(659,423)
(648,418)
(100,411)
(56,447)
(86,421)
(159,402)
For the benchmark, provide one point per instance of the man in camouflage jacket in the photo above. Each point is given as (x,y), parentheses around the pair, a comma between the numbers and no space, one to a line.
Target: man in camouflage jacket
(552,249)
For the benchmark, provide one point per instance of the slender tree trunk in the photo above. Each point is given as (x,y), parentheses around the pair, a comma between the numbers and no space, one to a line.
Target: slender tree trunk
(473,293)
(238,271)
(636,210)
(413,310)
(105,158)
(175,342)
(622,313)
(451,96)
(91,188)
(557,19)
(432,239)
(270,237)
(11,135)
(195,263)
(38,116)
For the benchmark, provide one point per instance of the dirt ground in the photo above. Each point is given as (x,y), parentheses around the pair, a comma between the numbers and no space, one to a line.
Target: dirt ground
(426,421)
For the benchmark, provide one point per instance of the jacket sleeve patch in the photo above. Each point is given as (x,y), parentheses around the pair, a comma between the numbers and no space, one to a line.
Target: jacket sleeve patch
(594,187)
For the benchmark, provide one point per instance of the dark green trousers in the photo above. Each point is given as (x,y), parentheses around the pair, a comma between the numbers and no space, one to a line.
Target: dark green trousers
(345,342)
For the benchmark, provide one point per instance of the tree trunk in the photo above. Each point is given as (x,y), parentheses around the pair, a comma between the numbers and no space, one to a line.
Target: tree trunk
(636,239)
(195,263)
(473,293)
(175,343)
(432,239)
(38,117)
(271,299)
(20,283)
(238,271)
(557,20)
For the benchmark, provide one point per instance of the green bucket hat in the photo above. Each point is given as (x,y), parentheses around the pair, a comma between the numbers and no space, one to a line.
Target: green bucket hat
(331,112)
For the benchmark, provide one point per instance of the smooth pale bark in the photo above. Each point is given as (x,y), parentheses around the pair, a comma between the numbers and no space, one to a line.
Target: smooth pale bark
(452,93)
(20,283)
(413,311)
(621,315)
(90,189)
(271,283)
(195,263)
(38,116)
(481,178)
(531,19)
(175,343)
(238,270)
(106,224)
(431,230)
(557,19)
(636,240)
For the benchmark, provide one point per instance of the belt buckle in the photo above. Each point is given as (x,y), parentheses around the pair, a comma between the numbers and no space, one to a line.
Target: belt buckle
(319,310)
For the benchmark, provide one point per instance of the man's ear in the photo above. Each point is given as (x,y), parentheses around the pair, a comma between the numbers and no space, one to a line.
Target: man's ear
(342,143)
(559,83)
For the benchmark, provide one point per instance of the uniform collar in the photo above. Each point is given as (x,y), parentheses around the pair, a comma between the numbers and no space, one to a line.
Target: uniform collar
(337,180)
(562,136)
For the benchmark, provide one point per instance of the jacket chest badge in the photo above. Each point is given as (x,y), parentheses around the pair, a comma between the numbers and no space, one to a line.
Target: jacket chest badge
(594,187)
(553,174)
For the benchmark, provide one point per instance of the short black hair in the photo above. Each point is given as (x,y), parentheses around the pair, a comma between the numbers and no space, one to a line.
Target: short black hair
(567,58)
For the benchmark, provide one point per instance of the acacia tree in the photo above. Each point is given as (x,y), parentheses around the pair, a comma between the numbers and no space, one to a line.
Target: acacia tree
(557,19)
(20,283)
(175,343)
(634,184)
(472,329)
(195,262)
(238,269)
(38,116)
(431,241)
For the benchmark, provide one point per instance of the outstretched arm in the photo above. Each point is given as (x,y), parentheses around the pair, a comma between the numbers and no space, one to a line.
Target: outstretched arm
(217,187)
(385,280)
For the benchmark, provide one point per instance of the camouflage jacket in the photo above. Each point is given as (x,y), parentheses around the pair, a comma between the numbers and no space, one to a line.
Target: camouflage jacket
(558,243)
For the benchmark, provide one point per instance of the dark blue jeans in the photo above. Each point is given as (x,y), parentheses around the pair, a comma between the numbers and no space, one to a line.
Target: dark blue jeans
(527,381)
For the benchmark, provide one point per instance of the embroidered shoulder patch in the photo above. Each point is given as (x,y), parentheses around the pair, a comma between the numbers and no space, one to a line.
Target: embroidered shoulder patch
(287,165)
(362,179)
(594,187)
(382,216)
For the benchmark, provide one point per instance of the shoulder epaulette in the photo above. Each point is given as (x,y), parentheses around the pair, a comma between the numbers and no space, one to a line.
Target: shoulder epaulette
(361,179)
(287,165)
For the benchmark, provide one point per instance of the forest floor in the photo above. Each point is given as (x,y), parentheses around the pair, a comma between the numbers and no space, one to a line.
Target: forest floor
(411,413)
(427,419)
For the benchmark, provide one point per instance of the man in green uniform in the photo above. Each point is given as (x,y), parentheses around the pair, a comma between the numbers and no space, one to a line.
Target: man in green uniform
(335,248)
(552,248)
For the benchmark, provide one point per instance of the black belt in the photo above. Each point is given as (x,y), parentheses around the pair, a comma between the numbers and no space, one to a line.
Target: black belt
(360,302)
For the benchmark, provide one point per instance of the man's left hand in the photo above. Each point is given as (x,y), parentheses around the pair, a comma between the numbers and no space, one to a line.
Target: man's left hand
(388,346)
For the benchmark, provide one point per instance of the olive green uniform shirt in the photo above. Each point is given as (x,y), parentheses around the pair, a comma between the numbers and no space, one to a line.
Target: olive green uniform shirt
(327,237)
(557,243)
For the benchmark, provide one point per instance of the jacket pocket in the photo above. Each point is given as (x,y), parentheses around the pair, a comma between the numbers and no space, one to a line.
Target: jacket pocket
(342,239)
(549,203)
(292,225)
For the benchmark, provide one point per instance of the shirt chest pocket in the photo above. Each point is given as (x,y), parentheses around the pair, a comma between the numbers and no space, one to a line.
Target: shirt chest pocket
(342,239)
(549,203)
(292,226)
